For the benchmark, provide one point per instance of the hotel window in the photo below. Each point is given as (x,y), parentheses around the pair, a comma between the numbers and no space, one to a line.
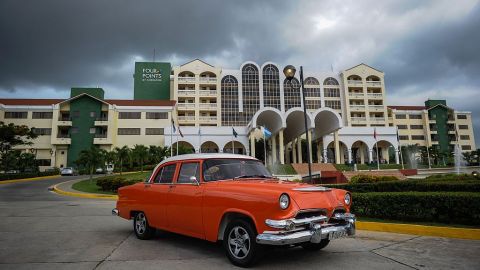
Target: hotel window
(75,114)
(312,90)
(42,115)
(16,115)
(229,94)
(462,126)
(415,116)
(403,137)
(93,130)
(418,137)
(129,115)
(331,92)
(157,115)
(128,131)
(154,131)
(464,137)
(250,92)
(402,126)
(43,162)
(461,116)
(466,147)
(291,95)
(42,131)
(330,81)
(271,87)
(333,104)
(74,130)
(400,116)
(416,127)
(93,114)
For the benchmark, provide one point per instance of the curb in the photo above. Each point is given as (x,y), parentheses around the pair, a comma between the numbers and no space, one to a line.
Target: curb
(82,195)
(28,179)
(449,232)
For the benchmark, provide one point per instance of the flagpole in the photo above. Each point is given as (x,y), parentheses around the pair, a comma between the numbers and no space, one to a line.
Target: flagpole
(428,156)
(233,144)
(176,137)
(378,157)
(264,147)
(171,141)
(199,140)
(401,156)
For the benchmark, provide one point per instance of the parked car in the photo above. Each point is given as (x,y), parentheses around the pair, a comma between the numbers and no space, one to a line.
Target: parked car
(99,170)
(234,199)
(68,171)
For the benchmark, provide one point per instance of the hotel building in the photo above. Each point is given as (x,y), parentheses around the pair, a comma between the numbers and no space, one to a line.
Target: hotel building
(345,110)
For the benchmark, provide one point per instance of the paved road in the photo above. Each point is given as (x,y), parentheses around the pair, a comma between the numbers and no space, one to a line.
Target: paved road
(43,230)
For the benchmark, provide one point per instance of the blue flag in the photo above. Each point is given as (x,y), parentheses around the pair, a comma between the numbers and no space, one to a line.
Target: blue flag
(266,133)
(235,134)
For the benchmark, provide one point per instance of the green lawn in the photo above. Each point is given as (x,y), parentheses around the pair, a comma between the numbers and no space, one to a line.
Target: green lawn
(90,186)
(366,219)
(282,169)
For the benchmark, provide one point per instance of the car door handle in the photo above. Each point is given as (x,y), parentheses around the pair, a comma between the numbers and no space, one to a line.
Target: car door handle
(172,186)
(147,186)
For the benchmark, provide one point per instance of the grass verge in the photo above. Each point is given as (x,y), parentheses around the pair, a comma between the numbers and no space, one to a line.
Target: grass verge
(90,186)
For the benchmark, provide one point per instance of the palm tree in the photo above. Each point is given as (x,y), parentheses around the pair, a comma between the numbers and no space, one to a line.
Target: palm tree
(121,155)
(91,159)
(158,153)
(140,154)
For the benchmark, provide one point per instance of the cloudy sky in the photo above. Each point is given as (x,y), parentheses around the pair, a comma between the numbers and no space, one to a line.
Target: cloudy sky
(427,49)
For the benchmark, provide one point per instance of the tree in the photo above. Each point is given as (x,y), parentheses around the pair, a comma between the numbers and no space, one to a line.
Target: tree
(158,153)
(10,136)
(91,159)
(140,154)
(122,154)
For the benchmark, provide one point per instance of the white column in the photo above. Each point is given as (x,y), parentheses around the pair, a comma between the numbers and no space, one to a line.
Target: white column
(337,147)
(310,145)
(294,151)
(370,155)
(299,149)
(274,149)
(397,157)
(349,150)
(319,153)
(252,145)
(281,146)
(362,154)
(325,155)
(288,149)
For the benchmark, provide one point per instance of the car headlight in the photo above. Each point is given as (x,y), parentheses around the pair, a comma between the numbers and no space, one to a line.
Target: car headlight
(347,199)
(284,201)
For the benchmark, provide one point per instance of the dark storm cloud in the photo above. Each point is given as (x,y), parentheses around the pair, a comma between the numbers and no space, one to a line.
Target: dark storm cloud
(426,48)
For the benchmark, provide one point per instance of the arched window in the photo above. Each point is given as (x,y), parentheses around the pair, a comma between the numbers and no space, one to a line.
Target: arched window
(271,86)
(354,78)
(330,81)
(230,114)
(291,94)
(373,78)
(250,92)
(312,91)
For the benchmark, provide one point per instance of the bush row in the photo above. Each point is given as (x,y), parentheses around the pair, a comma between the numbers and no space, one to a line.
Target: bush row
(372,166)
(442,207)
(411,185)
(114,183)
(8,176)
(364,178)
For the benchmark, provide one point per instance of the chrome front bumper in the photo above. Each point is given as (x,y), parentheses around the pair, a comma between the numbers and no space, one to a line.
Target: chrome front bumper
(314,229)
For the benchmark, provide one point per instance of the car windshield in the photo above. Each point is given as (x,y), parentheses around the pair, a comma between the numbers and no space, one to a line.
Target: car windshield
(67,168)
(223,169)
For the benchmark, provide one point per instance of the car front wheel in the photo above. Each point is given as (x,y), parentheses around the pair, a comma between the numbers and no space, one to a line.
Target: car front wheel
(240,244)
(141,227)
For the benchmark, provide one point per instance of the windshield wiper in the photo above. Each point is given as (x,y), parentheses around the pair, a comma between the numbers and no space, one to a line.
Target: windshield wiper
(252,176)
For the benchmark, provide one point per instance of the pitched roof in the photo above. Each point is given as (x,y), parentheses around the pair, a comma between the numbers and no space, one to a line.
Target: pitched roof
(407,108)
(119,102)
(196,59)
(364,65)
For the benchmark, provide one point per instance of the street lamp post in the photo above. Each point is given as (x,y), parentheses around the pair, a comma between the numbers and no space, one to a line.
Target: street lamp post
(289,72)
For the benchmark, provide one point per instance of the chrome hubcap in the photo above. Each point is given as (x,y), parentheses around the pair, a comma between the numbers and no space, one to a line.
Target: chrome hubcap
(140,223)
(239,242)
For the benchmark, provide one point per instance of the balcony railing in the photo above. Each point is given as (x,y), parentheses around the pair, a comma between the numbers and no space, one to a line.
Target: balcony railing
(208,79)
(357,107)
(358,119)
(355,82)
(208,105)
(186,92)
(374,83)
(377,119)
(186,106)
(100,136)
(102,119)
(208,118)
(63,136)
(375,95)
(356,95)
(186,118)
(376,107)
(208,92)
(186,79)
(64,118)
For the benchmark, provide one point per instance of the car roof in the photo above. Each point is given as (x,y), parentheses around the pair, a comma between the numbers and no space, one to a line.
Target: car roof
(206,156)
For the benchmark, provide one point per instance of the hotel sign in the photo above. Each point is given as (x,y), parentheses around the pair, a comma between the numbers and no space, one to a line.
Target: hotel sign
(151,75)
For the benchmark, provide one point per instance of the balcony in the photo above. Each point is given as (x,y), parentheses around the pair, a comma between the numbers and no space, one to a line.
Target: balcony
(186,106)
(208,106)
(358,119)
(355,82)
(356,95)
(208,80)
(62,139)
(375,95)
(102,121)
(357,108)
(374,83)
(101,139)
(376,108)
(208,119)
(65,121)
(186,93)
(377,119)
(208,93)
(186,79)
(186,119)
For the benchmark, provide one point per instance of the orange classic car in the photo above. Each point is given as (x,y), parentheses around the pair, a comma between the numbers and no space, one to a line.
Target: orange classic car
(234,199)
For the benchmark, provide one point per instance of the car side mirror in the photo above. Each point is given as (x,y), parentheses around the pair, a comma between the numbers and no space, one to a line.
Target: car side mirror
(194,180)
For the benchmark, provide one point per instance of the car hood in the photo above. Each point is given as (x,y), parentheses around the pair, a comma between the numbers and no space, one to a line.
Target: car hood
(306,196)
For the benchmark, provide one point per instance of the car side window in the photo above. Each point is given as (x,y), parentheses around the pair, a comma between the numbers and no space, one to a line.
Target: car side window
(165,176)
(187,171)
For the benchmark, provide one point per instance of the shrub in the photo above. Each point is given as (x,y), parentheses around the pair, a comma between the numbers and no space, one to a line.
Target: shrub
(115,182)
(7,176)
(452,177)
(443,207)
(363,178)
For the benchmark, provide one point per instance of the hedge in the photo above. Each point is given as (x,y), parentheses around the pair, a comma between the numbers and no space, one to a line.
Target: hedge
(411,185)
(442,207)
(7,176)
(114,183)
(364,178)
